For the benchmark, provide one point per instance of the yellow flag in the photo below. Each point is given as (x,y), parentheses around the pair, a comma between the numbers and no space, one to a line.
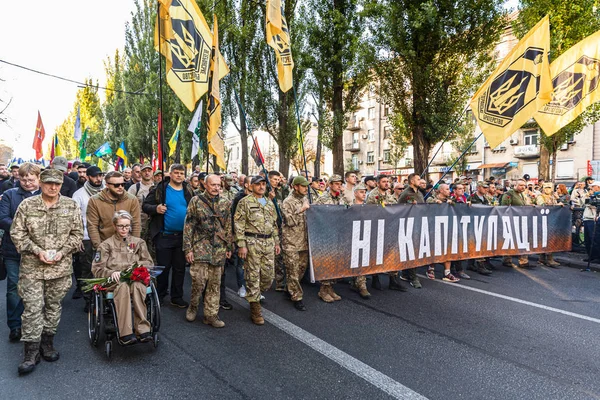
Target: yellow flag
(215,142)
(278,37)
(517,89)
(185,42)
(175,138)
(300,139)
(575,77)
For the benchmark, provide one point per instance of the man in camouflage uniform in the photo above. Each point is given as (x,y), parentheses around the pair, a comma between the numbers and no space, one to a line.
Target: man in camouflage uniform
(516,197)
(381,195)
(360,282)
(412,195)
(295,239)
(333,196)
(277,195)
(228,191)
(47,230)
(480,196)
(547,199)
(256,235)
(207,243)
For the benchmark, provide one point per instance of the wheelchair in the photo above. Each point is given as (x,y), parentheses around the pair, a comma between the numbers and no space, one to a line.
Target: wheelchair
(102,321)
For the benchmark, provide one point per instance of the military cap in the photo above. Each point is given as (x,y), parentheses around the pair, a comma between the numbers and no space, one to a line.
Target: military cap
(157,172)
(227,177)
(335,178)
(14,166)
(595,183)
(360,186)
(300,180)
(52,176)
(202,175)
(257,179)
(60,163)
(146,166)
(482,184)
(548,185)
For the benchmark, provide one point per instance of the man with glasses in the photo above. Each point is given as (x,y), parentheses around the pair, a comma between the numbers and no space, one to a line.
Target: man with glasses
(29,175)
(166,204)
(101,209)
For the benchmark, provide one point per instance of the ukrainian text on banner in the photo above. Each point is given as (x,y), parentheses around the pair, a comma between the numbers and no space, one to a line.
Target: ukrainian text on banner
(363,240)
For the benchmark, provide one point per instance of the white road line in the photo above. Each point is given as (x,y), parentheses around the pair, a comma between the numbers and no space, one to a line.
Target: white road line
(357,367)
(514,299)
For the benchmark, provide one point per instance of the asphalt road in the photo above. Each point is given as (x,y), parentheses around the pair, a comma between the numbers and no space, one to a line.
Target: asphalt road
(518,334)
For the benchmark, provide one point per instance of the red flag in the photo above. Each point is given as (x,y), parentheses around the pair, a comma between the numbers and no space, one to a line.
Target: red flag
(154,164)
(52,149)
(256,154)
(38,138)
(160,142)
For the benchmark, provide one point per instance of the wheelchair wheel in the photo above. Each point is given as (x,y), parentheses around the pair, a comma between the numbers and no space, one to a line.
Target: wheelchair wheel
(154,309)
(108,348)
(155,340)
(95,318)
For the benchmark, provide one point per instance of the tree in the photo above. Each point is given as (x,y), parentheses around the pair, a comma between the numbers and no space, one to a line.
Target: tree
(336,59)
(6,153)
(463,139)
(570,22)
(397,141)
(430,58)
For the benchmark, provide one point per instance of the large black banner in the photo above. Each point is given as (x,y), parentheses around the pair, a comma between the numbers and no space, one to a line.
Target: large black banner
(368,239)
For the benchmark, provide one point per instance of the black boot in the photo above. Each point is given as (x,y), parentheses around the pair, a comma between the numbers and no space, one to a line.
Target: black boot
(395,284)
(47,349)
(482,269)
(376,284)
(31,357)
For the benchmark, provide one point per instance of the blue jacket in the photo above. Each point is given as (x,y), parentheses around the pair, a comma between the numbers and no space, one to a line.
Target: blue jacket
(8,208)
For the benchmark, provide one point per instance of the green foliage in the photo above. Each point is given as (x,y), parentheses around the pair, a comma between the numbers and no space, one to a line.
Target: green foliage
(431,56)
(399,139)
(463,139)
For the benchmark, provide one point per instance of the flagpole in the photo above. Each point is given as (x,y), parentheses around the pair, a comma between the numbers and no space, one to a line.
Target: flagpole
(458,121)
(160,91)
(302,137)
(455,162)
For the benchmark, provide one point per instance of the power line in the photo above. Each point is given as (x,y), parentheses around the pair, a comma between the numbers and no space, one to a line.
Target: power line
(73,81)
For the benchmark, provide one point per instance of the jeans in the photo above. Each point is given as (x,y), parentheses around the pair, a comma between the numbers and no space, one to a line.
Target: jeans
(169,253)
(238,264)
(14,304)
(588,235)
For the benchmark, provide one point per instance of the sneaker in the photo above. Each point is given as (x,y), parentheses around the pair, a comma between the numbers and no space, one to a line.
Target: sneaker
(430,273)
(242,291)
(450,278)
(146,337)
(463,275)
(129,339)
(262,297)
(15,335)
(416,283)
(224,304)
(299,305)
(180,303)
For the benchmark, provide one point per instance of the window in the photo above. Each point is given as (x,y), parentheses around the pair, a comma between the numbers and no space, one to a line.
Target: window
(387,132)
(565,168)
(371,112)
(386,156)
(371,133)
(355,140)
(530,138)
(371,90)
(355,162)
(371,157)
(386,110)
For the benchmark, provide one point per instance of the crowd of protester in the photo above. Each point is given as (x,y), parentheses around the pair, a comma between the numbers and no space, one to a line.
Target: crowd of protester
(252,226)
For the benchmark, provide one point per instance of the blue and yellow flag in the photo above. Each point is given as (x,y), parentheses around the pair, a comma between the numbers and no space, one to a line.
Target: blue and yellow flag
(122,154)
(517,89)
(575,77)
(174,139)
(278,37)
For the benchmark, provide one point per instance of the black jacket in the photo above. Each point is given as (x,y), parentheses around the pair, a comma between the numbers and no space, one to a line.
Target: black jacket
(69,187)
(8,208)
(10,183)
(157,197)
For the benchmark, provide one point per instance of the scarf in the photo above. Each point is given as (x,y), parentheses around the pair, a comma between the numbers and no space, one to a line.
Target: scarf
(91,189)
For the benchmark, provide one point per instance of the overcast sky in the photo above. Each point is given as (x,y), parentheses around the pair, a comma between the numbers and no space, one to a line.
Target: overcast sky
(69,38)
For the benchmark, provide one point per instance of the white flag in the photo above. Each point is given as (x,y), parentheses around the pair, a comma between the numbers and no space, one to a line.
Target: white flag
(77,134)
(195,129)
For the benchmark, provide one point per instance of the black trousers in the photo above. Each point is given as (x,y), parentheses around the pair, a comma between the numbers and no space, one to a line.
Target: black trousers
(82,264)
(169,253)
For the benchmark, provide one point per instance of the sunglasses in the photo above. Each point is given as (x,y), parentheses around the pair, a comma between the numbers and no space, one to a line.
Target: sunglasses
(117,184)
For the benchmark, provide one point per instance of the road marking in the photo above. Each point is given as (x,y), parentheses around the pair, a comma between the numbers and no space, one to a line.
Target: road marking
(357,367)
(514,299)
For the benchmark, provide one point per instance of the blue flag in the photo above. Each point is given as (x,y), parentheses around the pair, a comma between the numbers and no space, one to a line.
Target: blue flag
(77,134)
(103,150)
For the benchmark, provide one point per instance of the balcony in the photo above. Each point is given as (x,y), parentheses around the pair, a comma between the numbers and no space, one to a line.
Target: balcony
(527,151)
(353,147)
(353,125)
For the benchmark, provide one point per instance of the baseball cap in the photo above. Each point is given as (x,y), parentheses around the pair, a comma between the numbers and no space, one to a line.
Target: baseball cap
(369,178)
(483,184)
(14,166)
(60,163)
(360,186)
(335,178)
(52,176)
(146,166)
(595,183)
(548,184)
(93,171)
(157,172)
(300,180)
(227,177)
(257,179)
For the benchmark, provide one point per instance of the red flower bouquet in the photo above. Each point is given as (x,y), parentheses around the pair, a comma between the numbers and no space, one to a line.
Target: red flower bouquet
(135,273)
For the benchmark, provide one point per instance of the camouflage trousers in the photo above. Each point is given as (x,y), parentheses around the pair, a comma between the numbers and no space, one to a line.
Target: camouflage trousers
(259,267)
(209,276)
(361,282)
(295,266)
(126,296)
(280,269)
(42,301)
(523,260)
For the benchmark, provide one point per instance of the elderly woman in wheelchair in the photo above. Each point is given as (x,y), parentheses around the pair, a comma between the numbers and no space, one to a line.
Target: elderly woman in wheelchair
(114,255)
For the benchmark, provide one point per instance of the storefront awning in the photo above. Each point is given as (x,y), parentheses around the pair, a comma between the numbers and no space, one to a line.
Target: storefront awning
(498,165)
